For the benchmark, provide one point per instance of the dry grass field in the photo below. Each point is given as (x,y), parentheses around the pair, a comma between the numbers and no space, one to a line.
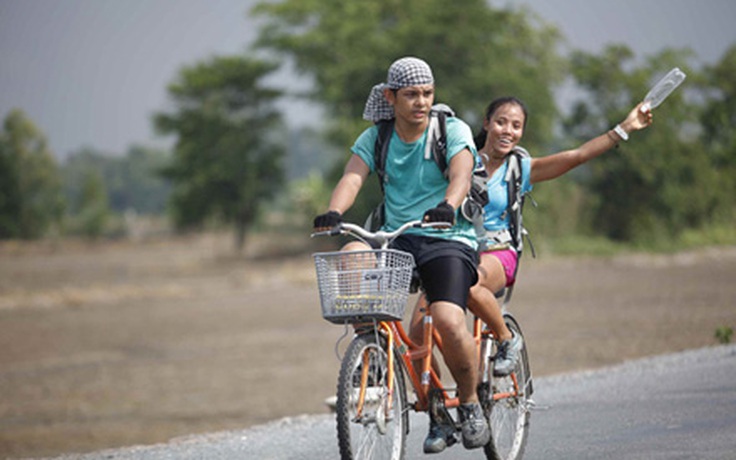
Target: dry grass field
(112,344)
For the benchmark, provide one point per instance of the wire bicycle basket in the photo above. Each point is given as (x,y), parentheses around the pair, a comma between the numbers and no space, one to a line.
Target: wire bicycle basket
(359,286)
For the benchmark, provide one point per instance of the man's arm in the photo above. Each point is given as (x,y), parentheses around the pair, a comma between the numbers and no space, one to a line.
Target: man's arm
(352,180)
(460,173)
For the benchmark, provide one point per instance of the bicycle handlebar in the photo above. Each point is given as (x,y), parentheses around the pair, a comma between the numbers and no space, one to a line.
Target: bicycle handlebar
(381,237)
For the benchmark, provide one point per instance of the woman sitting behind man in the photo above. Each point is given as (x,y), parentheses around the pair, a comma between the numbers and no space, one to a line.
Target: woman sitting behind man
(503,127)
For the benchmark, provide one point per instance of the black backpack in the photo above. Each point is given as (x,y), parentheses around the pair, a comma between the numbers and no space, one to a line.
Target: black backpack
(472,207)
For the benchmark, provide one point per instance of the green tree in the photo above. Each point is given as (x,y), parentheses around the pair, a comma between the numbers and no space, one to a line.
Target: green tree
(94,209)
(718,136)
(227,159)
(141,185)
(31,202)
(650,188)
(477,53)
(77,168)
(131,182)
(10,194)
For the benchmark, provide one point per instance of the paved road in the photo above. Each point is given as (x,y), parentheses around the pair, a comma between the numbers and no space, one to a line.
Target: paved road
(679,406)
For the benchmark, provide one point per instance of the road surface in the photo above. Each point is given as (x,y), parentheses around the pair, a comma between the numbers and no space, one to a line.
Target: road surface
(677,406)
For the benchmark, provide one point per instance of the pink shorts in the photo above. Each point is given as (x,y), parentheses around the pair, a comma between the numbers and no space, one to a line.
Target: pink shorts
(509,260)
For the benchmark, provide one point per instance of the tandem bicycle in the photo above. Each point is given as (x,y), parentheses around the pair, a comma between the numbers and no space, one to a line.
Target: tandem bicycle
(369,290)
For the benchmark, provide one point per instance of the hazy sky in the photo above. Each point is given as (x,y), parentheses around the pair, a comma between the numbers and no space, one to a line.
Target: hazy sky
(92,72)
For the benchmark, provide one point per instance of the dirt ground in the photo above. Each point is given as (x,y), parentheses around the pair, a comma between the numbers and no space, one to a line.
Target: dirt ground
(105,345)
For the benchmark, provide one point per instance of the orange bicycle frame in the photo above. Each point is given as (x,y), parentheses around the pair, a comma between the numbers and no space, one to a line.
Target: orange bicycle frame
(410,352)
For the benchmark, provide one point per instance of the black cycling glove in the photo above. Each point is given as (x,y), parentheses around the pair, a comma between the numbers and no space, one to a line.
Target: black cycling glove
(327,220)
(443,212)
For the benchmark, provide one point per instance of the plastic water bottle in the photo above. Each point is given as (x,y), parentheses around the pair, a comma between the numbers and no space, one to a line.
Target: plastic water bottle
(663,88)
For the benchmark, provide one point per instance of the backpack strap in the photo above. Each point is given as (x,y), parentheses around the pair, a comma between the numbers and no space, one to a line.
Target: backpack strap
(380,151)
(516,200)
(513,179)
(437,141)
(477,198)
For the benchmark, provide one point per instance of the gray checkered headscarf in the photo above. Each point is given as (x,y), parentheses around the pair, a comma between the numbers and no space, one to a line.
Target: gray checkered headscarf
(408,71)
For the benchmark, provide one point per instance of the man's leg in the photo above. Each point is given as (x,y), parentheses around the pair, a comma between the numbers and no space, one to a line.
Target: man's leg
(441,434)
(461,358)
(458,347)
(416,332)
(447,281)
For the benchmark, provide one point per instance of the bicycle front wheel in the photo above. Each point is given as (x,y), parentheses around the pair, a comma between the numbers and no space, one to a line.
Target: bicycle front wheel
(375,429)
(507,406)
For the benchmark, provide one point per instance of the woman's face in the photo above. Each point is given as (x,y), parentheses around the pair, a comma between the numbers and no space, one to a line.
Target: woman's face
(505,128)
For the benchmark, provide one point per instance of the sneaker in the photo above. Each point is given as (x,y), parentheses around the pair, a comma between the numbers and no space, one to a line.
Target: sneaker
(507,356)
(474,426)
(439,438)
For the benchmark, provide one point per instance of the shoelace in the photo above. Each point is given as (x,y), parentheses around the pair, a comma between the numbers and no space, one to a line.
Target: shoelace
(503,350)
(472,417)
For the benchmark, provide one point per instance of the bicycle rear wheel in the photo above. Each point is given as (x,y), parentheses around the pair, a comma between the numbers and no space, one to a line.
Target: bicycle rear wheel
(379,430)
(508,411)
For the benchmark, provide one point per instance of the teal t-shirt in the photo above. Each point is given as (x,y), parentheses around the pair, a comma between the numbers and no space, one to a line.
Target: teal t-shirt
(413,184)
(495,216)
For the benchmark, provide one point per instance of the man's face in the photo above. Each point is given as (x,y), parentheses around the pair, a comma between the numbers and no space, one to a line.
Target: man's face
(412,103)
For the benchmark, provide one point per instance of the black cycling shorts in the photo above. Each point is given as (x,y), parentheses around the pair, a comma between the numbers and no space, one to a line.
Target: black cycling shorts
(448,269)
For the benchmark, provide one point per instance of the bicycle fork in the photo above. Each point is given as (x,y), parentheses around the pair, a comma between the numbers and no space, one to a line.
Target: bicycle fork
(383,413)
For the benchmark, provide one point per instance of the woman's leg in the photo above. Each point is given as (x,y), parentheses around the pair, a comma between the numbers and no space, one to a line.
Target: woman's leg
(482,301)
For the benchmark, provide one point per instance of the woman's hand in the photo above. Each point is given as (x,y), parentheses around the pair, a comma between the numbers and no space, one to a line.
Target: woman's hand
(636,119)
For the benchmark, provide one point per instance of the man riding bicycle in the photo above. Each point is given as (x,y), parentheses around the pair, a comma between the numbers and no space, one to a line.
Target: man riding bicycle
(415,188)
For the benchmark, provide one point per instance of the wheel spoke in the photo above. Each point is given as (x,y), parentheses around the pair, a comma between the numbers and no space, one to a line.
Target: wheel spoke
(509,414)
(378,431)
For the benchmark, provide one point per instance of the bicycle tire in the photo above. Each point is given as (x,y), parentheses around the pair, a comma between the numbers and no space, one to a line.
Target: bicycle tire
(373,436)
(508,417)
